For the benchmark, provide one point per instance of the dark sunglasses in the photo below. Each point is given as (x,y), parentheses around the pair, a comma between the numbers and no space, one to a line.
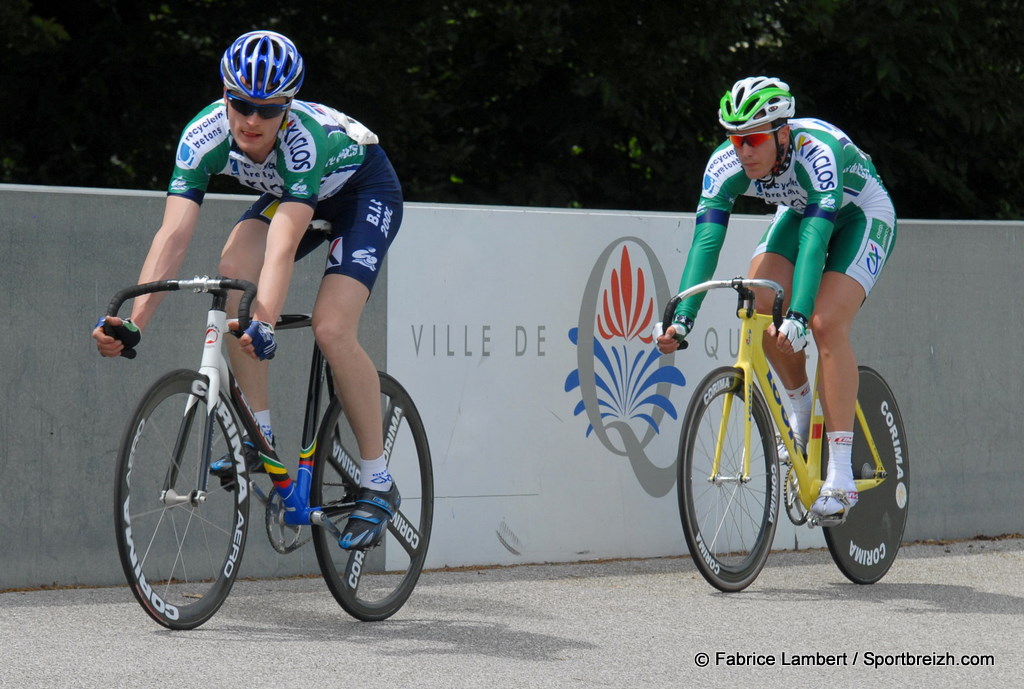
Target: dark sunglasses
(246,108)
(752,140)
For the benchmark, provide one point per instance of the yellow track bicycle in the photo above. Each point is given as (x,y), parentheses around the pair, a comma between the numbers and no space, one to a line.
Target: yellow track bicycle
(731,482)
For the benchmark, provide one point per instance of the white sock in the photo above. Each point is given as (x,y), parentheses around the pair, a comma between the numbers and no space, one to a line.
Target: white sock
(263,419)
(840,473)
(374,474)
(840,464)
(800,417)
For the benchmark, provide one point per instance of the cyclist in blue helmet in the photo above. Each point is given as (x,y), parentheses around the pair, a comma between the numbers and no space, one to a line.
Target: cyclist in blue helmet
(310,162)
(262,64)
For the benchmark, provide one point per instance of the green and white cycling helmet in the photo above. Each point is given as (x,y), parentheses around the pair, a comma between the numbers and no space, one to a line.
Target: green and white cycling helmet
(756,101)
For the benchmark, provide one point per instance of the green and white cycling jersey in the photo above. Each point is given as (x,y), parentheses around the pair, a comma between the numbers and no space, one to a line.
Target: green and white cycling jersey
(834,213)
(318,150)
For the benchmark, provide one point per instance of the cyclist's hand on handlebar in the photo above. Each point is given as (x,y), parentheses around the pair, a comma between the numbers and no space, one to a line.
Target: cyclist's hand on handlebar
(792,336)
(116,336)
(258,339)
(675,337)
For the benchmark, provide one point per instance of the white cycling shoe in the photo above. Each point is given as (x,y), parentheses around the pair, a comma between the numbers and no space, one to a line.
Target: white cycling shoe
(783,453)
(833,506)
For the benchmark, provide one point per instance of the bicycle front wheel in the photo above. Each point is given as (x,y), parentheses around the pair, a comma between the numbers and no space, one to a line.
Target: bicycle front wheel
(729,516)
(180,547)
(865,546)
(374,584)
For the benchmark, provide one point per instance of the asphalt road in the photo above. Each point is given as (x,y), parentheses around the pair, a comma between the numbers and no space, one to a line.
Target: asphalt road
(636,623)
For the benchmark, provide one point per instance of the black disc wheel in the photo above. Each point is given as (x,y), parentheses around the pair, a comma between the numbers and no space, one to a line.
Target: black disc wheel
(865,546)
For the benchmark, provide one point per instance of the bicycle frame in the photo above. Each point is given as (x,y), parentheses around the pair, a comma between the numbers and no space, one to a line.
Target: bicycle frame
(186,475)
(214,366)
(294,493)
(752,361)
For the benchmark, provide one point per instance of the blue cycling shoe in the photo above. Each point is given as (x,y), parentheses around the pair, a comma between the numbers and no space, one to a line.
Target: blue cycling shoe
(223,468)
(368,522)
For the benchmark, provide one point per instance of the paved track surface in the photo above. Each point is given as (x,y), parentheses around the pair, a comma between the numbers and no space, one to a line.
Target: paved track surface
(636,623)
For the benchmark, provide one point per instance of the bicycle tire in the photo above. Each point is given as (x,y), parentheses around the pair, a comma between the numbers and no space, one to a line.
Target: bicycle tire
(729,525)
(374,584)
(180,559)
(865,547)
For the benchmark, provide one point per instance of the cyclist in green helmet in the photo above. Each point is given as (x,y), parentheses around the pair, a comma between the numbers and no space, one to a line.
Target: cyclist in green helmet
(833,230)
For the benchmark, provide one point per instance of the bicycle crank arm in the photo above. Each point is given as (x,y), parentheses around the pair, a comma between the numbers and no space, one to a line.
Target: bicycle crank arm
(258,492)
(320,519)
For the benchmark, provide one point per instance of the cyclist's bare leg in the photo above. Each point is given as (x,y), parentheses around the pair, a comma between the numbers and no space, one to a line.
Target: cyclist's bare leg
(242,258)
(835,307)
(339,306)
(838,301)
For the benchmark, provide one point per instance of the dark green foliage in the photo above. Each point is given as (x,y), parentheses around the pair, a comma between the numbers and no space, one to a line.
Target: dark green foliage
(597,104)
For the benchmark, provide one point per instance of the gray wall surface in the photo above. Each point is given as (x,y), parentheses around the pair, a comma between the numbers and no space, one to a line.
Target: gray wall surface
(941,326)
(66,252)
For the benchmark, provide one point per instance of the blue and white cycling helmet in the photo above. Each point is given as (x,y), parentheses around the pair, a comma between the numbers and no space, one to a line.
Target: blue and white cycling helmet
(755,101)
(262,64)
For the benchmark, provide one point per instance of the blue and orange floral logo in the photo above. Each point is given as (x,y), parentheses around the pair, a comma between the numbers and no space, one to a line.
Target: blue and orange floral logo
(624,382)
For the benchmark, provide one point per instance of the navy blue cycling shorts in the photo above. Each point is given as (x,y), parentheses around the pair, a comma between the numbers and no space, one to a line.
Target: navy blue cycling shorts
(365,216)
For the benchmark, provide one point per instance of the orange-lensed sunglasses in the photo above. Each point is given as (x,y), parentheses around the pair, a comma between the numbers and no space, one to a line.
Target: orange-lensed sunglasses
(753,140)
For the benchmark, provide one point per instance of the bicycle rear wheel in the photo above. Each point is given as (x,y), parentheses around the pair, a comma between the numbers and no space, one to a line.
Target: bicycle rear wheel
(865,546)
(729,520)
(180,549)
(374,584)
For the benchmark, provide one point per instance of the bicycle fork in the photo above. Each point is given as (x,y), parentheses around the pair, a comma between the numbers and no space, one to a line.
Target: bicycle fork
(213,368)
(743,476)
(743,472)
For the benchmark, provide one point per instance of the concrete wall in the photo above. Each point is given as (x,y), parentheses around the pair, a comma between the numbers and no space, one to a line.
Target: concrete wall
(942,326)
(65,253)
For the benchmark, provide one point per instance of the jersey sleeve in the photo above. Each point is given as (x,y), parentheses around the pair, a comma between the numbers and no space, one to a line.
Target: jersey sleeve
(724,181)
(815,232)
(819,170)
(202,152)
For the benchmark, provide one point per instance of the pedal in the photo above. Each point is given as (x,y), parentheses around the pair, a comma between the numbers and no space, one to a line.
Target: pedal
(831,520)
(839,518)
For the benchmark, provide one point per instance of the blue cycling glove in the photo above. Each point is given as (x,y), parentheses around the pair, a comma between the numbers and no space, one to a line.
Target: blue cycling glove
(263,341)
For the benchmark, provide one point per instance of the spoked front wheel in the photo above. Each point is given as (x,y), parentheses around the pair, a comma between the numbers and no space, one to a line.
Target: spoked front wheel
(729,513)
(180,546)
(374,584)
(866,545)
